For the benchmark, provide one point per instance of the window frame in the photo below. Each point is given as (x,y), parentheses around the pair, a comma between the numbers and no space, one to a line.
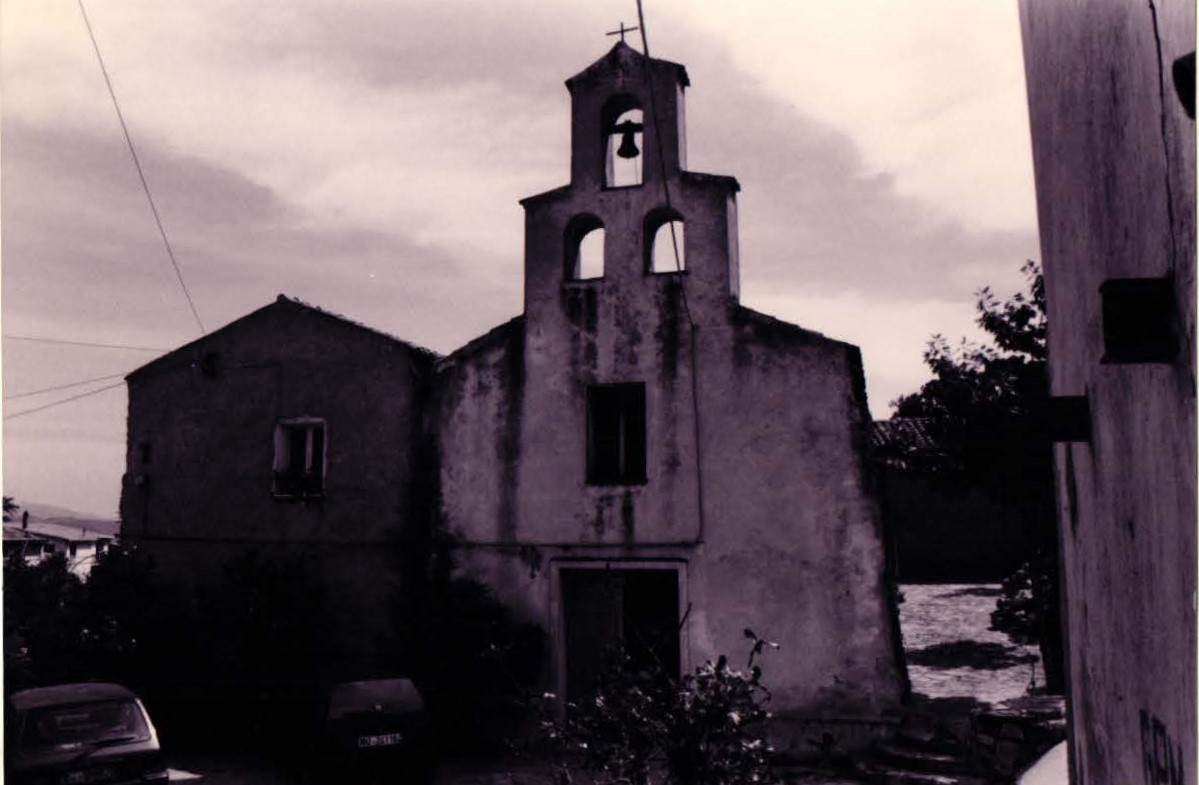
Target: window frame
(286,483)
(625,403)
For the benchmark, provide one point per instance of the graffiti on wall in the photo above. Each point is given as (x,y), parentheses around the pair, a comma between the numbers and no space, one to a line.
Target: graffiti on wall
(1161,755)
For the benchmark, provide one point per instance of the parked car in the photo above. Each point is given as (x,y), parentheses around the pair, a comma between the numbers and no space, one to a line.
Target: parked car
(375,729)
(80,734)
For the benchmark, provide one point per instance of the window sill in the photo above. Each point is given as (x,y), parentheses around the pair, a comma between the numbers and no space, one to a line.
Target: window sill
(622,483)
(297,497)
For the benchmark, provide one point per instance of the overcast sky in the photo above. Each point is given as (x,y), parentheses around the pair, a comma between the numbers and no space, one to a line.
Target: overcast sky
(367,156)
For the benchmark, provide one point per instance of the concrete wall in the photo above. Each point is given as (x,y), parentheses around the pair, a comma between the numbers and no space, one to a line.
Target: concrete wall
(1114,154)
(784,537)
(206,493)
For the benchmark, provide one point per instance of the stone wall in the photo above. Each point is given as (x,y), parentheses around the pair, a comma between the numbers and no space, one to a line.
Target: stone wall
(201,446)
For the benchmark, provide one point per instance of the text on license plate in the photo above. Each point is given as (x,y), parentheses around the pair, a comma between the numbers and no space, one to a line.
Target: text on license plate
(87,775)
(382,740)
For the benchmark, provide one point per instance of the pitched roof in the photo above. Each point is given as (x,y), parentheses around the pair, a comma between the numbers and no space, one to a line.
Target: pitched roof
(905,443)
(13,533)
(58,530)
(620,56)
(282,301)
(496,335)
(775,326)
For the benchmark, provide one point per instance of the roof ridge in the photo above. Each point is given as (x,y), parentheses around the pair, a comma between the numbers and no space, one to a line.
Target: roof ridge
(283,300)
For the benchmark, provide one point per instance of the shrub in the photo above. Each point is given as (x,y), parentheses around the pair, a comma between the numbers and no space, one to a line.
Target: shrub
(708,728)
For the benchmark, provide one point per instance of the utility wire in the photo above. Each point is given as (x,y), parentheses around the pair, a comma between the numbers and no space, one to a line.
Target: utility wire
(60,403)
(653,109)
(137,164)
(84,343)
(695,409)
(63,386)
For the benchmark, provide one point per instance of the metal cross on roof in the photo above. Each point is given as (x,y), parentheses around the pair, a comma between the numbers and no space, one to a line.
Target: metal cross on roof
(622,31)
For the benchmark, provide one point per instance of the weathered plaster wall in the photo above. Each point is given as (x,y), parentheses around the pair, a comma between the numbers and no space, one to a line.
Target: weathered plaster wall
(1114,159)
(790,545)
(785,539)
(206,494)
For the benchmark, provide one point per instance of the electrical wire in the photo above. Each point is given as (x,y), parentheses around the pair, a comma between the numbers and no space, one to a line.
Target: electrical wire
(695,408)
(31,393)
(653,109)
(137,165)
(84,343)
(60,403)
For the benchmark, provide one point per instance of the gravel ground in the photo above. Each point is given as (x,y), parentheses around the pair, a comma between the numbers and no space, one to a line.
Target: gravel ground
(988,667)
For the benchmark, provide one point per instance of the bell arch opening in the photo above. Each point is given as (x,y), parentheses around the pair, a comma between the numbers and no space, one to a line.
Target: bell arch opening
(624,142)
(584,248)
(664,247)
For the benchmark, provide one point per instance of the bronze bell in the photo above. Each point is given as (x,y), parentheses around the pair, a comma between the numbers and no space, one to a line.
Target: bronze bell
(628,146)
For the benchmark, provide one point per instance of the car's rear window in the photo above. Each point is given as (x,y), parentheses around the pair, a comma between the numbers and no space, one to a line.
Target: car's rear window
(83,723)
(385,695)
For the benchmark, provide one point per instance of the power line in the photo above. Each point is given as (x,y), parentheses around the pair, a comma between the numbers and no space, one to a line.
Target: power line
(85,343)
(60,403)
(696,426)
(63,386)
(137,164)
(653,109)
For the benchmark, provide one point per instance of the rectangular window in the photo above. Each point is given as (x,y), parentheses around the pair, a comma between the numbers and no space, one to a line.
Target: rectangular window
(616,434)
(299,468)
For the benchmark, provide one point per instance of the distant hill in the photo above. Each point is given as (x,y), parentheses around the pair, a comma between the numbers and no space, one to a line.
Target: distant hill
(55,514)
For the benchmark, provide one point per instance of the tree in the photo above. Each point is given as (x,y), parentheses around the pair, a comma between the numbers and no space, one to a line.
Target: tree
(982,405)
(10,508)
(41,622)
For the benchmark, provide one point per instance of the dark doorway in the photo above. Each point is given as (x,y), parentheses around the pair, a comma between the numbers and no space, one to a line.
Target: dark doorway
(607,609)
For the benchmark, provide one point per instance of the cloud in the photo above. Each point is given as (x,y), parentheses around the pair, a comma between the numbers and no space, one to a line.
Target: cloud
(79,232)
(892,335)
(368,158)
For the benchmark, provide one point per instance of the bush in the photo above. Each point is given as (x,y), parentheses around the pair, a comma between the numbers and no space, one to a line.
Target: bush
(709,728)
(42,623)
(1028,612)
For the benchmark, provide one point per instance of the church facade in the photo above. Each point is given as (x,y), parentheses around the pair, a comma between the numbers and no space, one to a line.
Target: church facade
(637,459)
(640,459)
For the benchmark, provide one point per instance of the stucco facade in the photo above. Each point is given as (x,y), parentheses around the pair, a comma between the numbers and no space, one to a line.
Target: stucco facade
(208,426)
(747,487)
(1114,155)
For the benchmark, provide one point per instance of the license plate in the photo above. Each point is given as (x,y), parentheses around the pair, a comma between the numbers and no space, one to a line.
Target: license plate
(382,740)
(87,775)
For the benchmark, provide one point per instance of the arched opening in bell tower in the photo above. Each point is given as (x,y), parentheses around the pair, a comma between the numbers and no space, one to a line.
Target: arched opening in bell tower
(664,246)
(623,127)
(584,248)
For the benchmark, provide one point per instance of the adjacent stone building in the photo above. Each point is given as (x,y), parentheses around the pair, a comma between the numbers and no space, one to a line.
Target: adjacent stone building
(636,459)
(290,432)
(1111,89)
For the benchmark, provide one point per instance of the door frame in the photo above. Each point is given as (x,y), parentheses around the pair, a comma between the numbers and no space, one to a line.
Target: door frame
(558,610)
